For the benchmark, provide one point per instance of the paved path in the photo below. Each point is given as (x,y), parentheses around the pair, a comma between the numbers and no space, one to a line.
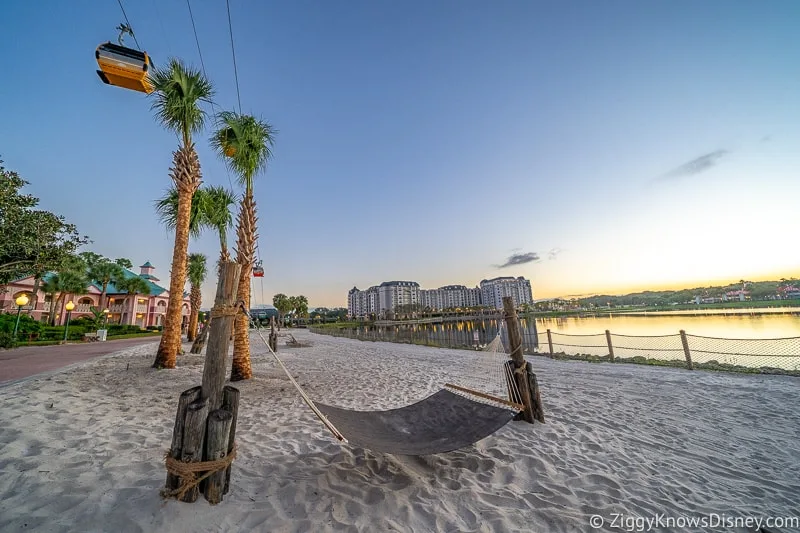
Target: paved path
(30,360)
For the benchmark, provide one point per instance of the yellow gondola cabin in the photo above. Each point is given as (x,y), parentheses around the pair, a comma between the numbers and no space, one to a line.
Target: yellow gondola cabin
(124,67)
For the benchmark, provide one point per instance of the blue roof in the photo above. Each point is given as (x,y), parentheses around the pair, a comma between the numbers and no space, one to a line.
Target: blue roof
(147,265)
(155,290)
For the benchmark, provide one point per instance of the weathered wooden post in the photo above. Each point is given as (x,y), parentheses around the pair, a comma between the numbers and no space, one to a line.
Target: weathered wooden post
(523,374)
(200,342)
(222,317)
(273,337)
(610,346)
(194,434)
(230,403)
(205,423)
(686,352)
(550,342)
(187,397)
(219,431)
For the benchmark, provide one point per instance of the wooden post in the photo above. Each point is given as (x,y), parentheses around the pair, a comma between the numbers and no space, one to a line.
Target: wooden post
(230,403)
(533,387)
(194,432)
(187,397)
(273,337)
(523,372)
(686,352)
(219,337)
(219,431)
(610,346)
(550,342)
(200,341)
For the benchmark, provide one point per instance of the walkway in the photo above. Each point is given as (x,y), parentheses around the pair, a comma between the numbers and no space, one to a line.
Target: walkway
(31,360)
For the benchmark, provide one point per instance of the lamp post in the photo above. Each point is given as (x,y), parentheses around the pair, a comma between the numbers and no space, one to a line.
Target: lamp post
(105,322)
(69,307)
(21,301)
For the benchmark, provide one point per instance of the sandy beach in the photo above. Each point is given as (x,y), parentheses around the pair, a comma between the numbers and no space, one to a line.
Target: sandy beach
(82,449)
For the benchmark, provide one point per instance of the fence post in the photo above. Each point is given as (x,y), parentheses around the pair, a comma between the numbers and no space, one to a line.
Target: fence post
(610,346)
(550,342)
(686,351)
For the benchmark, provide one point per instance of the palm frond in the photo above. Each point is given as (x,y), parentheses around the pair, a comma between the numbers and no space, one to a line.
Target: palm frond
(167,210)
(245,143)
(178,91)
(196,269)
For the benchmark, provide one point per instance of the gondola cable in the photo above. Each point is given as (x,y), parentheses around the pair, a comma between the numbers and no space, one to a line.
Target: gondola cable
(203,66)
(233,52)
(130,28)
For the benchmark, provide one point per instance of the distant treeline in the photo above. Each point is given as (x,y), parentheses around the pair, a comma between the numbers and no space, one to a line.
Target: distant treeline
(755,290)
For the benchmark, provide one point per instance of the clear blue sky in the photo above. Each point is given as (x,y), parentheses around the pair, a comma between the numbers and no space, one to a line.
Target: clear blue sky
(653,144)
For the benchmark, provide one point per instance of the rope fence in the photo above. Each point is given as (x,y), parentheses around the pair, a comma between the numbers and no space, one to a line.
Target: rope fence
(682,350)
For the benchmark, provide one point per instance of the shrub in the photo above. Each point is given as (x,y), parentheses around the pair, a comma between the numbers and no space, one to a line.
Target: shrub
(6,340)
(27,325)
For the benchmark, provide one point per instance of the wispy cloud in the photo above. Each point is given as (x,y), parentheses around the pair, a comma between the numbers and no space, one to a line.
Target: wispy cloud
(766,138)
(696,166)
(520,259)
(553,253)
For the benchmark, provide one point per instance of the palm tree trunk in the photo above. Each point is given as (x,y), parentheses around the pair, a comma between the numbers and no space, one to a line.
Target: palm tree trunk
(245,251)
(194,300)
(186,175)
(103,296)
(35,294)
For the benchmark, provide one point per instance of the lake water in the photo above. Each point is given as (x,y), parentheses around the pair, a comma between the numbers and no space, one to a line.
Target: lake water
(732,324)
(740,337)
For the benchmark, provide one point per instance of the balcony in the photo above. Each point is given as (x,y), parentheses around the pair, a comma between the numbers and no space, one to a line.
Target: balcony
(141,308)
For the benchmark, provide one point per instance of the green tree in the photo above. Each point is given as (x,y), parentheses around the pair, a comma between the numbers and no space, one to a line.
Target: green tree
(178,93)
(33,241)
(217,216)
(104,271)
(197,275)
(282,303)
(70,279)
(245,143)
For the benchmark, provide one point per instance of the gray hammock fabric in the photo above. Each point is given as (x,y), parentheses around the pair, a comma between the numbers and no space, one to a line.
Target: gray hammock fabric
(440,423)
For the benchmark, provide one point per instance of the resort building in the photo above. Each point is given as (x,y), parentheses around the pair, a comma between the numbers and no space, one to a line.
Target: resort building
(123,308)
(387,296)
(493,291)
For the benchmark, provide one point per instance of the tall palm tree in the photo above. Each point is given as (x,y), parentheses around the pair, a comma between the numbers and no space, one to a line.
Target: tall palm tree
(179,90)
(197,275)
(216,215)
(246,144)
(134,286)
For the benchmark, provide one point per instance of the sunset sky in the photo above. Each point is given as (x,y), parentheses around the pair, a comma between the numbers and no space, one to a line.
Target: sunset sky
(589,146)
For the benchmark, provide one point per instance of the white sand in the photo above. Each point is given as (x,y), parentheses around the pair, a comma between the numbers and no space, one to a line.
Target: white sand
(618,439)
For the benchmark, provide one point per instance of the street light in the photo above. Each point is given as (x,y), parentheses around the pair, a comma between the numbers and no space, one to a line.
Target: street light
(105,322)
(69,307)
(21,301)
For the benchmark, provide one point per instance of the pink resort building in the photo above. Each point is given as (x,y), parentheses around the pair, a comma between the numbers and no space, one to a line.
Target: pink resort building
(139,309)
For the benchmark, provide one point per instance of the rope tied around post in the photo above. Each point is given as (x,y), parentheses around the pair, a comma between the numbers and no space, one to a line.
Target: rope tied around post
(227,310)
(188,471)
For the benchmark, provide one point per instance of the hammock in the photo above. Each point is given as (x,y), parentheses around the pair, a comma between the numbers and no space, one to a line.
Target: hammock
(450,419)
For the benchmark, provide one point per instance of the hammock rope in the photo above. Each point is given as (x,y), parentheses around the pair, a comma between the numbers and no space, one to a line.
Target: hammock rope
(306,397)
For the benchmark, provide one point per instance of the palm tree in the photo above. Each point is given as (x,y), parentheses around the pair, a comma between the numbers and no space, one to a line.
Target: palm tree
(281,302)
(216,214)
(104,271)
(70,279)
(167,210)
(134,286)
(178,92)
(246,144)
(197,275)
